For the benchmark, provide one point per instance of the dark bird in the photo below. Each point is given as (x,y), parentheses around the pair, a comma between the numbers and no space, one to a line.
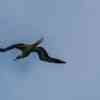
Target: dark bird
(27,49)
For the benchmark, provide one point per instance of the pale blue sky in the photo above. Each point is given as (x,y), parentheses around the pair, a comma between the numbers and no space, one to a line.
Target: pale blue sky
(70,28)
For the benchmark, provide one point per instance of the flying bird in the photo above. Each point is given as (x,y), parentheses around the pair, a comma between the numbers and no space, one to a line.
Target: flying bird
(27,49)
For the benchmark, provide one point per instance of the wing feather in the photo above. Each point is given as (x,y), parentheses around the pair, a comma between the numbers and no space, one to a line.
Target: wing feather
(43,55)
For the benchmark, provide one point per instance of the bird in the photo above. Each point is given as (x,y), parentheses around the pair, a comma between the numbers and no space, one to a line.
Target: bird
(27,49)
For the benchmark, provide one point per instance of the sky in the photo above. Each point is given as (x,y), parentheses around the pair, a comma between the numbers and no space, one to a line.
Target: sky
(70,29)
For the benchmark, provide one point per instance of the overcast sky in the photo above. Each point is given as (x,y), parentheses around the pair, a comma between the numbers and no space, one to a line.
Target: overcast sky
(71,32)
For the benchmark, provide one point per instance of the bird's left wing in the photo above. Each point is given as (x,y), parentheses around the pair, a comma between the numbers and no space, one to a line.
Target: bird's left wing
(8,48)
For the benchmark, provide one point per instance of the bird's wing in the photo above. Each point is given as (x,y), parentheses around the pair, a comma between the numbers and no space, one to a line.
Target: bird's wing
(43,55)
(8,48)
(20,46)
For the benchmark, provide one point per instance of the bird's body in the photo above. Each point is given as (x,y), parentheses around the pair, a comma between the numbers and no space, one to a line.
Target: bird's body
(26,49)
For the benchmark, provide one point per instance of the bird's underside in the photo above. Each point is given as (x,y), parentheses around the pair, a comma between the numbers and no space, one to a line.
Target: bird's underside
(26,49)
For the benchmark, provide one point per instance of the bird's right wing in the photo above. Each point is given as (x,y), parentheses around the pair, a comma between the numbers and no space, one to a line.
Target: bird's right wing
(43,55)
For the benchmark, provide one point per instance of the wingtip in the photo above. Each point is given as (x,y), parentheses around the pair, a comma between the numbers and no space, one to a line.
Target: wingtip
(63,62)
